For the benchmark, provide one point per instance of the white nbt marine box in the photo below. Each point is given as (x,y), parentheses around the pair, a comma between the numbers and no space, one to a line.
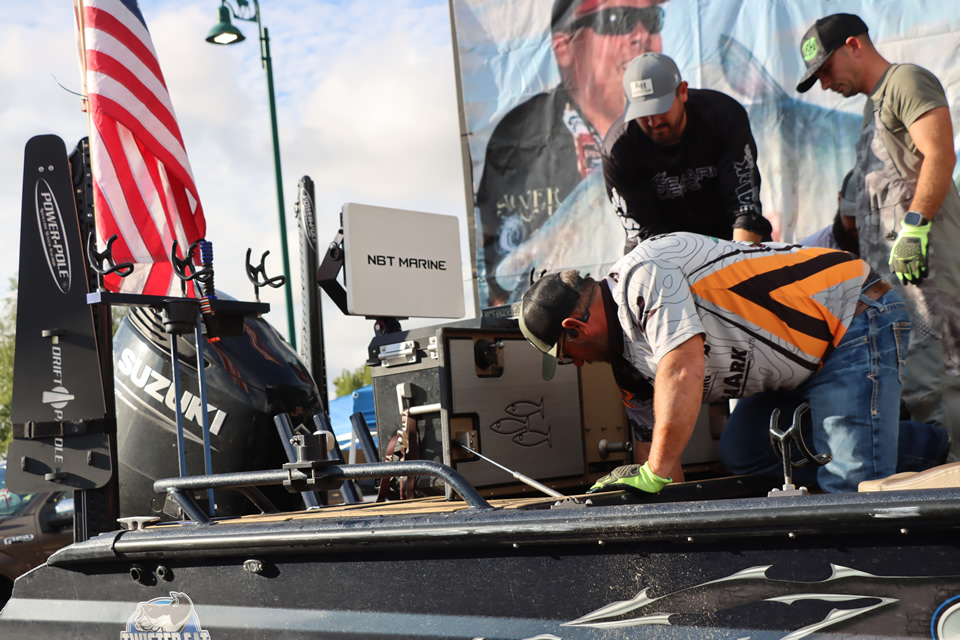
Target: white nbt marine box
(403,264)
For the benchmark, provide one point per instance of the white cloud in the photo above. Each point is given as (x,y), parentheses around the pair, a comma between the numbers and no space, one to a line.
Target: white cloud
(366,105)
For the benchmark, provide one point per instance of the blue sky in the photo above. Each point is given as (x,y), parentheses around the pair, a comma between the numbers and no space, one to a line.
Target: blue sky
(366,103)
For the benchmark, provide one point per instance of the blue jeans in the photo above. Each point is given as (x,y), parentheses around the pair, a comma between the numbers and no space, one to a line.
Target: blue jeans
(854,411)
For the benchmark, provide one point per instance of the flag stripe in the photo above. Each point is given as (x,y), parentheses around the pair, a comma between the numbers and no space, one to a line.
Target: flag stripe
(144,180)
(130,14)
(184,226)
(155,279)
(152,146)
(125,189)
(153,104)
(159,279)
(154,180)
(117,102)
(106,223)
(144,190)
(118,25)
(110,205)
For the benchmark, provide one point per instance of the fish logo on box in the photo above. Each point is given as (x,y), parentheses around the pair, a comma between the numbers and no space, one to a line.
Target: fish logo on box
(527,430)
(165,618)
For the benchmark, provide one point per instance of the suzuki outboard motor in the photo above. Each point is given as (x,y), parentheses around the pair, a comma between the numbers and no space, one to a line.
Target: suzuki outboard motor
(249,379)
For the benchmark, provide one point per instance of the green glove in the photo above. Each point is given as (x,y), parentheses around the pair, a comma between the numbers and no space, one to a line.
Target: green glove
(631,476)
(908,258)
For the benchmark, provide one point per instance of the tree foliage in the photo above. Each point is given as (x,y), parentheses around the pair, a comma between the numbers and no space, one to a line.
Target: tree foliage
(8,331)
(349,381)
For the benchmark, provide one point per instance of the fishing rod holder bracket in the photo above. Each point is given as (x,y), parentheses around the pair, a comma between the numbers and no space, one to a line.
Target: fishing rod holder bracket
(311,456)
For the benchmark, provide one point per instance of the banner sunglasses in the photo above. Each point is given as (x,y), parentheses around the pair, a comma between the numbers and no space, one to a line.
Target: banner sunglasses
(620,21)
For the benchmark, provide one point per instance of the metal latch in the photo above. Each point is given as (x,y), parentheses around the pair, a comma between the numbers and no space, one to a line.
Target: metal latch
(431,349)
(392,355)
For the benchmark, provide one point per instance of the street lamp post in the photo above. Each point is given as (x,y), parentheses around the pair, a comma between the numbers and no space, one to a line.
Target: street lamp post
(225,33)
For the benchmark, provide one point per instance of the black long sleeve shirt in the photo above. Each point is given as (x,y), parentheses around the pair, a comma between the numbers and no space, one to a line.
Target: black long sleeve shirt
(706,183)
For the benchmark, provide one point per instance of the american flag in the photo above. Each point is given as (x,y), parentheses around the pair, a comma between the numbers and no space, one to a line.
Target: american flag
(143,186)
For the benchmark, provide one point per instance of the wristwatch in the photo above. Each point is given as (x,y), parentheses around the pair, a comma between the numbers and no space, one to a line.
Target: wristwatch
(915,219)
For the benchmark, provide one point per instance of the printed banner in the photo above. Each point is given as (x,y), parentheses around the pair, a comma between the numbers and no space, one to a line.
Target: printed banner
(537,106)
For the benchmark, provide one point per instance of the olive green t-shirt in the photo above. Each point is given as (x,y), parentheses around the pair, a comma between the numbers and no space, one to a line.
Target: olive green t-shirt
(910,92)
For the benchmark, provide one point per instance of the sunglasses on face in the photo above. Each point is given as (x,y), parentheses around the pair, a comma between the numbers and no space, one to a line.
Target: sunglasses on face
(620,21)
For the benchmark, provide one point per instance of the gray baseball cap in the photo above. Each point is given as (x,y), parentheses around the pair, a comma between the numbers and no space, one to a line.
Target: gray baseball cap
(649,83)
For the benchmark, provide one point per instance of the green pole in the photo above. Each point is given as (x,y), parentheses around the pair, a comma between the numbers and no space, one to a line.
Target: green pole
(265,52)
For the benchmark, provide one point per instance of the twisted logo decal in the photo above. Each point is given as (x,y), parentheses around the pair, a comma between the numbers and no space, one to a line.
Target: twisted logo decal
(165,618)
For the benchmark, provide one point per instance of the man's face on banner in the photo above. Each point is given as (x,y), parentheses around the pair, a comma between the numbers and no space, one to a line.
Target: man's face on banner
(602,39)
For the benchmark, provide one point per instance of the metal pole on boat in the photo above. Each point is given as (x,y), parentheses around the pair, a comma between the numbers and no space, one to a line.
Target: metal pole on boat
(202,383)
(516,474)
(179,316)
(178,410)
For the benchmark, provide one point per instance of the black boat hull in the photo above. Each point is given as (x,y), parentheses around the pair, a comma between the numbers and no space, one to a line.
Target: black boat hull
(874,565)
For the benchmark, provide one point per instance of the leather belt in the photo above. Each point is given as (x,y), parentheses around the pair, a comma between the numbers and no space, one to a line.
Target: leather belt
(875,291)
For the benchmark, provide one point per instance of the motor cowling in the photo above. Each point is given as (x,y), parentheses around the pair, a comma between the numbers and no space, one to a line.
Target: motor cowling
(249,379)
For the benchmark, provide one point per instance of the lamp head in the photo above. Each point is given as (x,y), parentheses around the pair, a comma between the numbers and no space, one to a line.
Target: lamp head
(224,32)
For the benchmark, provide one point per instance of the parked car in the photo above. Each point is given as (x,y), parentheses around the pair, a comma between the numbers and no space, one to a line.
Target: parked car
(32,526)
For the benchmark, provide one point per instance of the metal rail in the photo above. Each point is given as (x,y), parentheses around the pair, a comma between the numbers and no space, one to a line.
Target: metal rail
(179,488)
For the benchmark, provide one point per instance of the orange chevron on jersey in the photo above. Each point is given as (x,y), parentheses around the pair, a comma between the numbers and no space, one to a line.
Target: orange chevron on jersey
(777,293)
